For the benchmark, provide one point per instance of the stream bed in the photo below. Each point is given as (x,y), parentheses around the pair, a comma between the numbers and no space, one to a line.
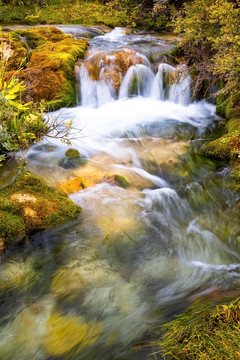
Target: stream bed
(159,225)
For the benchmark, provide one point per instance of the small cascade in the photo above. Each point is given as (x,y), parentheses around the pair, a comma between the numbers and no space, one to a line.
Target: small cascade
(160,85)
(93,93)
(115,34)
(137,81)
(179,92)
(121,74)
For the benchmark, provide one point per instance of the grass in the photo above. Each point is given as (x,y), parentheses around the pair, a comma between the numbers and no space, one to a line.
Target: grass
(85,13)
(61,12)
(203,332)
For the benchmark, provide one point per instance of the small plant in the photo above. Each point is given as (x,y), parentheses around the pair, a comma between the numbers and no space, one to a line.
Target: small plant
(20,124)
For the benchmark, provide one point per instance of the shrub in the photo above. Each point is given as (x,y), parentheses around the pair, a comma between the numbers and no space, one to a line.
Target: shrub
(211,41)
(20,124)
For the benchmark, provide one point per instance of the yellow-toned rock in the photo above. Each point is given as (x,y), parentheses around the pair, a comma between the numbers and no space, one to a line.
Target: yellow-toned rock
(65,332)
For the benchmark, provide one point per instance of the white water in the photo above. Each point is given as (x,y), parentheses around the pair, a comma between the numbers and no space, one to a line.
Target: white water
(139,80)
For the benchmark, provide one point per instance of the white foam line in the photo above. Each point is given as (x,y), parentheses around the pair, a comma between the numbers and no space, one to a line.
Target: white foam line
(153,178)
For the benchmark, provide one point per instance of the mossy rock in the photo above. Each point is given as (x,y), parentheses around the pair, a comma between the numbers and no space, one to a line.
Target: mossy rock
(228,105)
(45,61)
(227,147)
(72,159)
(218,149)
(52,85)
(121,181)
(12,226)
(30,204)
(73,154)
(19,51)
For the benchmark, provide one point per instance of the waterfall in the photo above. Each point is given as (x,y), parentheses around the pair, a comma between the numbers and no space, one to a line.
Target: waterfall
(138,80)
(93,93)
(178,92)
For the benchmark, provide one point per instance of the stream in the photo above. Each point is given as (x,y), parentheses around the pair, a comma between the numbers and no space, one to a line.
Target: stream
(159,226)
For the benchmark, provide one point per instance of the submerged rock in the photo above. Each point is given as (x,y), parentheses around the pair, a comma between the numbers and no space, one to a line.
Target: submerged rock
(69,283)
(44,58)
(121,181)
(65,332)
(72,159)
(30,204)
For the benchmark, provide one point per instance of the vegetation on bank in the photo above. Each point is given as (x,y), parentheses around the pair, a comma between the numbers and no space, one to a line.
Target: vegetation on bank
(29,204)
(133,13)
(36,74)
(211,46)
(203,332)
(46,58)
(20,124)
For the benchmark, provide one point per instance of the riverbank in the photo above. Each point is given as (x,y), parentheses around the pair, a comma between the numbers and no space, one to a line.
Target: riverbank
(110,14)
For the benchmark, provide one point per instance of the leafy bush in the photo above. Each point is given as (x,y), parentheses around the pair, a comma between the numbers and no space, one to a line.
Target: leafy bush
(20,124)
(211,41)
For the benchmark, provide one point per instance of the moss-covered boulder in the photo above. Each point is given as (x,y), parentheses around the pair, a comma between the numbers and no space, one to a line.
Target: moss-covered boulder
(72,159)
(30,204)
(227,147)
(44,58)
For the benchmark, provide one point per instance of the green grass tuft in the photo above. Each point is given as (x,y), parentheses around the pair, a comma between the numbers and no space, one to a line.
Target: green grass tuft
(203,332)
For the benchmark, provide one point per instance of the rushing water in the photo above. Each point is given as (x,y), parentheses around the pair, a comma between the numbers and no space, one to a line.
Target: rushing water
(95,287)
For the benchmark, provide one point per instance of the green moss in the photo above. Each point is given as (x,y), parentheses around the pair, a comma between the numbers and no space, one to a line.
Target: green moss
(19,49)
(121,181)
(221,104)
(72,159)
(233,125)
(219,148)
(233,106)
(228,105)
(227,147)
(49,72)
(73,154)
(11,226)
(30,204)
(33,39)
(204,332)
(62,54)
